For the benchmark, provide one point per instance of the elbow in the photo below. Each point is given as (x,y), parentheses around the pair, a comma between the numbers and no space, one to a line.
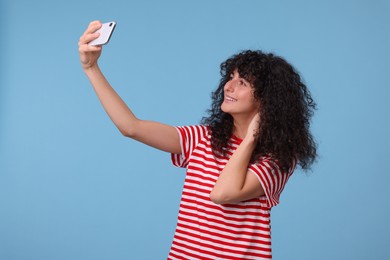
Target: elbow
(127,130)
(221,197)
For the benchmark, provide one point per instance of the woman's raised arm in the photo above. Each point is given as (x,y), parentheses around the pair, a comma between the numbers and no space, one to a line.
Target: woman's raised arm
(160,136)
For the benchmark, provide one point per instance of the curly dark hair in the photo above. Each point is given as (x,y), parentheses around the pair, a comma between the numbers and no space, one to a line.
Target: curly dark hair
(286,108)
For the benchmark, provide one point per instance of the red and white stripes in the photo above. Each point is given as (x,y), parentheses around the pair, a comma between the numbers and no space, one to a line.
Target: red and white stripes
(206,230)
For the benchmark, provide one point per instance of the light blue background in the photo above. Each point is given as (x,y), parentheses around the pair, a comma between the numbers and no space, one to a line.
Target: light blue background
(71,187)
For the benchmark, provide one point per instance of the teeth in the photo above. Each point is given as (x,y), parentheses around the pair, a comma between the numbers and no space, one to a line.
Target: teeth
(230,99)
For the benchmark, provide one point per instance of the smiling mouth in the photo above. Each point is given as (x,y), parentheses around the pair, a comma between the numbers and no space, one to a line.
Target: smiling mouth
(230,99)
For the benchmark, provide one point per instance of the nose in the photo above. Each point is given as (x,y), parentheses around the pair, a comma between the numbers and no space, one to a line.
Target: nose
(230,85)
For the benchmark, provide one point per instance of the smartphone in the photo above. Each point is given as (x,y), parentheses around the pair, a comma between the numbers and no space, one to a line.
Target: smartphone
(105,34)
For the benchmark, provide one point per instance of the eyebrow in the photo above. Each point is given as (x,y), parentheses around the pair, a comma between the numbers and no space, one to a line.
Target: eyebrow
(246,81)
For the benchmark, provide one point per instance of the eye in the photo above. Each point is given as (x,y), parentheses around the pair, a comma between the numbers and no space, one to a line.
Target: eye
(243,83)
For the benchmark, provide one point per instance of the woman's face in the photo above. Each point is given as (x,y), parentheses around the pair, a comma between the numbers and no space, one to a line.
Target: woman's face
(239,98)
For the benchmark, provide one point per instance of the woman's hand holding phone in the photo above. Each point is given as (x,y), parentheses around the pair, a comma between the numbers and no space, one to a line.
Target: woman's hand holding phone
(90,54)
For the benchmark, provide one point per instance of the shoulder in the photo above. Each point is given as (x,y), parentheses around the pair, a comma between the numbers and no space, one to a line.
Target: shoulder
(267,163)
(194,130)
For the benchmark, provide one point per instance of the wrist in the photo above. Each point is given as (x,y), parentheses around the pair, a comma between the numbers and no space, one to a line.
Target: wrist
(91,69)
(249,141)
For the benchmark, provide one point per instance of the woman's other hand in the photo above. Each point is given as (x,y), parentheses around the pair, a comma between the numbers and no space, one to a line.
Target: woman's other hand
(253,127)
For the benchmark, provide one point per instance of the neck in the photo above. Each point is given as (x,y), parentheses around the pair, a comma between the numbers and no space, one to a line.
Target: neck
(241,124)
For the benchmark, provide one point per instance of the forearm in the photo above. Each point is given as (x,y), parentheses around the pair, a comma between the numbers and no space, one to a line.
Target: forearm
(116,109)
(231,181)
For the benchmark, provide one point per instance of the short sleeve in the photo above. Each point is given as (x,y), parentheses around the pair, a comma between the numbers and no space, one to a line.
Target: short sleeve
(189,136)
(272,179)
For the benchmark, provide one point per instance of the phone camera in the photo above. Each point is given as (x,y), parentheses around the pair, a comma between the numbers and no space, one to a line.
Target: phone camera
(110,24)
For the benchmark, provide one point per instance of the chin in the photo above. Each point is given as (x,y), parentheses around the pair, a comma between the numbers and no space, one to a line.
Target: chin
(223,108)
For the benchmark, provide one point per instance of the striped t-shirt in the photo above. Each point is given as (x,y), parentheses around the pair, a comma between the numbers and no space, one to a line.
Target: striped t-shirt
(206,230)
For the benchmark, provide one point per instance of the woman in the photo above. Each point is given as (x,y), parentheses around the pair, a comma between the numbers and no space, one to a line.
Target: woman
(238,160)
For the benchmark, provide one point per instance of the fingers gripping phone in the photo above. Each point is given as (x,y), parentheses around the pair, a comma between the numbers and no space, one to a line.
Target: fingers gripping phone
(105,34)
